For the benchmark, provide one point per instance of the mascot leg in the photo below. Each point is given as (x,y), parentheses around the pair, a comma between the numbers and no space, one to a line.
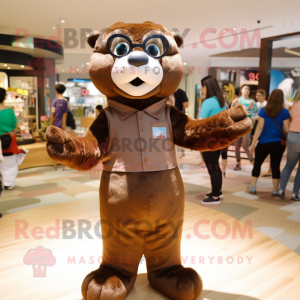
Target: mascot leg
(107,283)
(162,248)
(176,282)
(122,246)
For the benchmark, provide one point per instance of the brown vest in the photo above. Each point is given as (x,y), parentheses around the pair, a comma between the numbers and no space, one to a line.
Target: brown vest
(139,141)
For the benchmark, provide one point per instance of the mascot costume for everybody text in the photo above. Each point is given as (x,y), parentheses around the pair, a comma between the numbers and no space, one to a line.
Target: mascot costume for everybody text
(137,66)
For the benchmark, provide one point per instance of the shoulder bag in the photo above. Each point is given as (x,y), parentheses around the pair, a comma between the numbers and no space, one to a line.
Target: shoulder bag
(283,133)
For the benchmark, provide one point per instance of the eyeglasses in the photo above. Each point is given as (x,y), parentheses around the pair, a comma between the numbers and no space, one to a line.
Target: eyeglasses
(120,45)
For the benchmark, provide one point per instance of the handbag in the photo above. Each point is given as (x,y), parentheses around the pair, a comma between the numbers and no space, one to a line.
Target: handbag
(10,148)
(283,133)
(71,121)
(5,141)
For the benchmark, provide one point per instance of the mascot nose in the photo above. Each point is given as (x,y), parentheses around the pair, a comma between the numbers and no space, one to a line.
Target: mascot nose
(138,58)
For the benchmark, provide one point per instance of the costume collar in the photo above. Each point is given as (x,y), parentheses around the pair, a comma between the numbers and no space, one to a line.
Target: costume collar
(124,111)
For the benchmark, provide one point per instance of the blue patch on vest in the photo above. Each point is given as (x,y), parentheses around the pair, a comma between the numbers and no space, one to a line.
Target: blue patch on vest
(159,132)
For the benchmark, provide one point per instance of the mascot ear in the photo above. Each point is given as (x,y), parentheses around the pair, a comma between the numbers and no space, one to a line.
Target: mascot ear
(178,38)
(118,24)
(93,37)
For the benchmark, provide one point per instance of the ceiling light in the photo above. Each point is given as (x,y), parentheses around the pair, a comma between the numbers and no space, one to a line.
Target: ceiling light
(53,27)
(87,35)
(5,65)
(87,63)
(184,63)
(8,68)
(63,20)
(234,28)
(22,66)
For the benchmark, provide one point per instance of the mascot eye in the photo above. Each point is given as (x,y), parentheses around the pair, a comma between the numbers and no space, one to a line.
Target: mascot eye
(121,49)
(155,46)
(153,50)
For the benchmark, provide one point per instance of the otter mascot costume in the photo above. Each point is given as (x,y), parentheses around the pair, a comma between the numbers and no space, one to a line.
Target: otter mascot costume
(137,66)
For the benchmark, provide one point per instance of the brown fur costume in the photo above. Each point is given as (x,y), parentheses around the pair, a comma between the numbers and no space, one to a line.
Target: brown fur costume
(145,209)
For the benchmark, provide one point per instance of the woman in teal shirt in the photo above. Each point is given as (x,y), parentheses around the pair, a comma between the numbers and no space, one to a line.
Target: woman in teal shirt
(213,104)
(251,108)
(8,122)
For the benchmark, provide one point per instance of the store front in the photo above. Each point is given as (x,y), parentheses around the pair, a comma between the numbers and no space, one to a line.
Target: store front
(83,97)
(27,72)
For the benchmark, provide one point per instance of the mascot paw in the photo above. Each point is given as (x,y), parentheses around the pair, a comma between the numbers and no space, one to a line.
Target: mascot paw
(56,135)
(107,283)
(59,144)
(177,282)
(241,123)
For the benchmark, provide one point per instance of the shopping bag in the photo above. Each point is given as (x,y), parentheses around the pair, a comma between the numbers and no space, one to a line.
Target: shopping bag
(21,156)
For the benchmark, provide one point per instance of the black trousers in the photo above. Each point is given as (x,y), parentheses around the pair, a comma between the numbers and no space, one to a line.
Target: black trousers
(275,149)
(211,159)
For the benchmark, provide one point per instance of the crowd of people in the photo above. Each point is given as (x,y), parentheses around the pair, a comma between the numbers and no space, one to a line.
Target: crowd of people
(274,128)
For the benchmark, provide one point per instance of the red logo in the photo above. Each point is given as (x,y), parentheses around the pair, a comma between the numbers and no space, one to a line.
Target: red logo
(41,68)
(39,258)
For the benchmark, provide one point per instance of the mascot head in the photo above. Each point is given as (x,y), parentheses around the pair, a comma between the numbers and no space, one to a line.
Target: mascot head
(136,63)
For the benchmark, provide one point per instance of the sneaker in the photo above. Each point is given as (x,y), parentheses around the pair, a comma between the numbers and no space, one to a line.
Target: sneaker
(210,195)
(295,197)
(275,193)
(281,194)
(211,201)
(251,189)
(8,187)
(237,168)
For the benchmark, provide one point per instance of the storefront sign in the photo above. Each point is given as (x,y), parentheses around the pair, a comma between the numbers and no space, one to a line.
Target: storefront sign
(253,76)
(18,91)
(85,92)
(296,72)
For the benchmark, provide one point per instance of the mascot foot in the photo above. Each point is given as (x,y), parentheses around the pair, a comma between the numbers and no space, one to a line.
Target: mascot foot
(177,282)
(107,283)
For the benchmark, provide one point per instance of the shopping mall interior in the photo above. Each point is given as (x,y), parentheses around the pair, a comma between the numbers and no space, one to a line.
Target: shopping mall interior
(150,150)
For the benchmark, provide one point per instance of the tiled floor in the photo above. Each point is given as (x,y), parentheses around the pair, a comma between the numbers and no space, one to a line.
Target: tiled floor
(276,218)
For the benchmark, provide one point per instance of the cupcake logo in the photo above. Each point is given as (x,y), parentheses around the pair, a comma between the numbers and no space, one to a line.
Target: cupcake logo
(39,258)
(42,68)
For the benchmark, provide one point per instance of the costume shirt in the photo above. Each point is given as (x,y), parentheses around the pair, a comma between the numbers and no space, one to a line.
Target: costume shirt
(139,141)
